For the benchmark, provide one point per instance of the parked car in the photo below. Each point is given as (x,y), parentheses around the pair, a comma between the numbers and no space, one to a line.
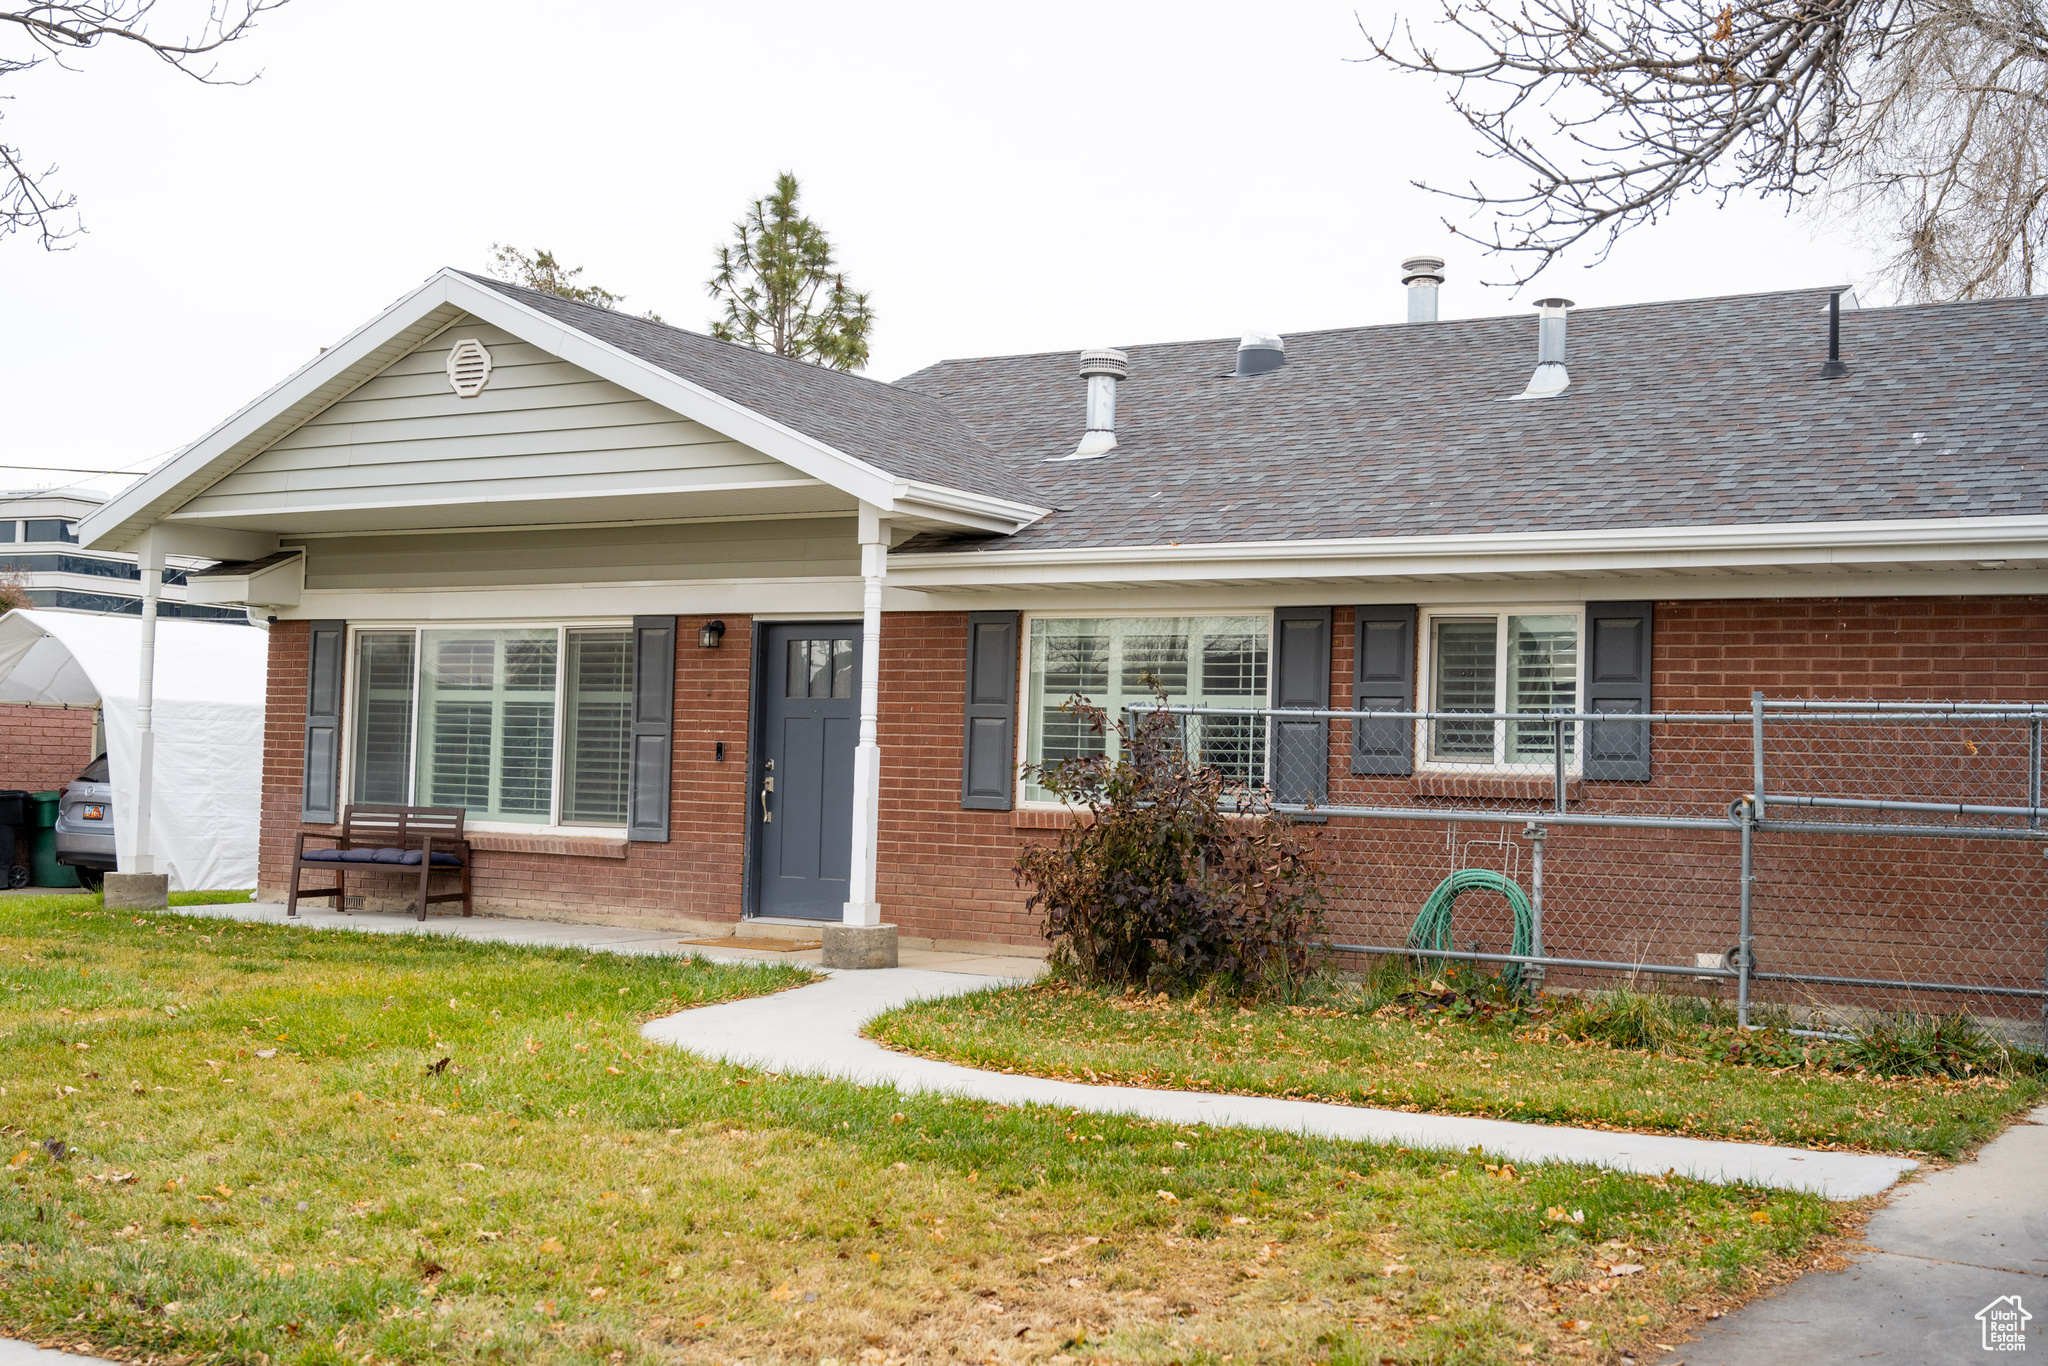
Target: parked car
(85,825)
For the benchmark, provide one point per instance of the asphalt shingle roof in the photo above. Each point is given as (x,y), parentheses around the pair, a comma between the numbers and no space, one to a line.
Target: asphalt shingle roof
(901,431)
(1685,413)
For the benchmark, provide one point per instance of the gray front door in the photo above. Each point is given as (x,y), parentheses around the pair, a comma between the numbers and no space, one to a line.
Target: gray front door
(803,805)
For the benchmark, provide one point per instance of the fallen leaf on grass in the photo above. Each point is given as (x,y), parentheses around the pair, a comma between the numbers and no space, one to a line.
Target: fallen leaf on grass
(1169,1197)
(549,1245)
(1762,1216)
(1624,1269)
(783,1293)
(266,1052)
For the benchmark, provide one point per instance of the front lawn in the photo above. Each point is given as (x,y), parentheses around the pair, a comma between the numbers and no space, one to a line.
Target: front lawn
(1354,1049)
(252,1143)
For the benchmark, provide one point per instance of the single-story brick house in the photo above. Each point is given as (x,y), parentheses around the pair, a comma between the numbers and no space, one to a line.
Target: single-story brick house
(698,634)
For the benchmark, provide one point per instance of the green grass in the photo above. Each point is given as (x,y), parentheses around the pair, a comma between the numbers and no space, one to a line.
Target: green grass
(1355,1049)
(239,1143)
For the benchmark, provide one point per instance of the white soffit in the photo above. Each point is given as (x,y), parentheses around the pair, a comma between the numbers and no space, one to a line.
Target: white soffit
(448,295)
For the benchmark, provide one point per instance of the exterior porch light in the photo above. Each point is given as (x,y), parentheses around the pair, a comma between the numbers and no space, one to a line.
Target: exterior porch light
(709,634)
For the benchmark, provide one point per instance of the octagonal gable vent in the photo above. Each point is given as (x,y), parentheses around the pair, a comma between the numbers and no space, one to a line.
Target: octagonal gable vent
(469,367)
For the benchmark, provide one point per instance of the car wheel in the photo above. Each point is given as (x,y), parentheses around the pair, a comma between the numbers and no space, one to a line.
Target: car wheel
(17,876)
(92,879)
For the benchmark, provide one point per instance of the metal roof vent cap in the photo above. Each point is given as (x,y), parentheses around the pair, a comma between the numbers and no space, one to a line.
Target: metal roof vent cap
(1260,353)
(1549,378)
(1104,368)
(1422,274)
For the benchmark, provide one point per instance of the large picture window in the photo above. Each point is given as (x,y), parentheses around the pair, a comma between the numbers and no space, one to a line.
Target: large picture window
(1212,661)
(528,725)
(1504,662)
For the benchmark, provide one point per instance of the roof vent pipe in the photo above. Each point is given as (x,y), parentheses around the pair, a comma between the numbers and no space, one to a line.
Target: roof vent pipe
(1422,274)
(1834,367)
(1260,353)
(1103,368)
(1550,377)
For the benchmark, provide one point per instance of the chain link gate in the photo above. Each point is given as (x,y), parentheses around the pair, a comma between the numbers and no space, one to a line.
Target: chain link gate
(1817,859)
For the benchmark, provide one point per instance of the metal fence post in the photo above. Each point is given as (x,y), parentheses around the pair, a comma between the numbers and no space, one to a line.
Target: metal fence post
(2034,771)
(1744,953)
(1534,971)
(1557,762)
(1756,745)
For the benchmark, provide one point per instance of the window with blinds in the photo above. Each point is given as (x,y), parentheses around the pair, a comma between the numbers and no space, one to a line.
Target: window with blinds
(597,727)
(1507,664)
(382,761)
(1114,661)
(525,725)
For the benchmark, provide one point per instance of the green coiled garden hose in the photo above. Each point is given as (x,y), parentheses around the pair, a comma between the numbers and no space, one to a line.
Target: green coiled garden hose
(1432,928)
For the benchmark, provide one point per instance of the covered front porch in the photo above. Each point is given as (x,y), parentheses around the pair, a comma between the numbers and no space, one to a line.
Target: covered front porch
(623,606)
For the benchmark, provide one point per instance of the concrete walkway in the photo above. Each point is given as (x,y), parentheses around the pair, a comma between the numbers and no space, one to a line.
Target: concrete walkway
(815,1030)
(637,939)
(1945,1248)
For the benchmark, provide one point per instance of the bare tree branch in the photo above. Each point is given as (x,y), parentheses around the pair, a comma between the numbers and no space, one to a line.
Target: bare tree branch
(60,32)
(1924,116)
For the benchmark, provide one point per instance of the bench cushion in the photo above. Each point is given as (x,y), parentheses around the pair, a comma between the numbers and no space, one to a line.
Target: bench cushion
(441,860)
(399,857)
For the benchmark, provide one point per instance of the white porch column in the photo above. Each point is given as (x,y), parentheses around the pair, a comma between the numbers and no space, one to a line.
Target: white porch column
(150,560)
(861,906)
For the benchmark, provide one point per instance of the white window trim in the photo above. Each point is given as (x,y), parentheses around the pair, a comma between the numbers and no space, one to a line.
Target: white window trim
(1023,691)
(1425,683)
(561,627)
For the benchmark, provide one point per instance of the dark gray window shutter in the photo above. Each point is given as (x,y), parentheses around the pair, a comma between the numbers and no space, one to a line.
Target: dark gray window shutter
(654,715)
(1618,655)
(989,745)
(1383,679)
(1300,749)
(320,802)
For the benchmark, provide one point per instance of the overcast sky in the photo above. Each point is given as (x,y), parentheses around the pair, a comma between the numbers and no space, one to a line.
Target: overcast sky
(1001,179)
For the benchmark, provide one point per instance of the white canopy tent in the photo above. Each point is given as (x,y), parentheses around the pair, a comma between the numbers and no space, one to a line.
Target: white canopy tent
(208,769)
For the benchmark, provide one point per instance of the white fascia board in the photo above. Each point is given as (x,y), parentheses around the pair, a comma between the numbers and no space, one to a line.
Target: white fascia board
(1847,545)
(446,294)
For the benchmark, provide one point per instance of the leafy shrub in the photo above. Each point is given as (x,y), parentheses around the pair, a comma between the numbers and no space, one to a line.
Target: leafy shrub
(1173,880)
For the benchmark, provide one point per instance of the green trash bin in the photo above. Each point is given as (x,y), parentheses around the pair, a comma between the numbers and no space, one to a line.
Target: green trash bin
(43,868)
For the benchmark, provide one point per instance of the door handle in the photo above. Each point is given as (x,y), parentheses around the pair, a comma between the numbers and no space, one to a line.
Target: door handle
(767,786)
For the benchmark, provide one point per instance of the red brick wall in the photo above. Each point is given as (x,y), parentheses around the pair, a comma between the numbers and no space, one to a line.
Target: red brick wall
(946,874)
(692,881)
(44,747)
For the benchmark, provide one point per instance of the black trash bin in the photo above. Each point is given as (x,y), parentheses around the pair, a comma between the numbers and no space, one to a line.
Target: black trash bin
(13,816)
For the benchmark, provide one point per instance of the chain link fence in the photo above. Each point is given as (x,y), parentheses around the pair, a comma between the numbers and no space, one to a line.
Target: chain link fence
(1812,859)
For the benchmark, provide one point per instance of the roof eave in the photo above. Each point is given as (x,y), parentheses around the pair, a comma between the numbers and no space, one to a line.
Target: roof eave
(1871,545)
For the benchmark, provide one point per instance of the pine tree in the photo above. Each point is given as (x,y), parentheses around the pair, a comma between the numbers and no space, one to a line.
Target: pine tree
(781,291)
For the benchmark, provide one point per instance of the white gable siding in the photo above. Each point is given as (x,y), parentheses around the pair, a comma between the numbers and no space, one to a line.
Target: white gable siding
(542,429)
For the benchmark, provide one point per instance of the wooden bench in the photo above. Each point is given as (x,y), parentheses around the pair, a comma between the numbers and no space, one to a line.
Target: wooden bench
(381,839)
